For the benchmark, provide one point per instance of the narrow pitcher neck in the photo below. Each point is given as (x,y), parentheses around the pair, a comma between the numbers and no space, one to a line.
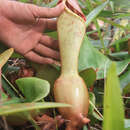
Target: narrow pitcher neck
(71,66)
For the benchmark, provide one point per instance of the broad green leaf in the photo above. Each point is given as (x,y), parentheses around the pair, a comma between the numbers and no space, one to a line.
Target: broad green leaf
(113,103)
(94,13)
(19,114)
(20,118)
(89,76)
(33,89)
(5,56)
(22,107)
(46,72)
(90,57)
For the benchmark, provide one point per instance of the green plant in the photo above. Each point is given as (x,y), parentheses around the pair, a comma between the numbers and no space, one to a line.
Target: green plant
(20,110)
(3,59)
(113,120)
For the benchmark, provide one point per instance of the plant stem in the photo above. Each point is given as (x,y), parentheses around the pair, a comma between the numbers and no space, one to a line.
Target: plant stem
(96,109)
(89,5)
(12,86)
(33,122)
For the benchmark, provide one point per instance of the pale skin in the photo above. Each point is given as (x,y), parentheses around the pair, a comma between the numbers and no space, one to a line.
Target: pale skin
(22,26)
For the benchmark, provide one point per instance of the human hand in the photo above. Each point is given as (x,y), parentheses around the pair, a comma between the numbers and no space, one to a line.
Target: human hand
(22,26)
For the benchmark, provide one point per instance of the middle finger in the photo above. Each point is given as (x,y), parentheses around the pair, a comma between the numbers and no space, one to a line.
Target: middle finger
(48,52)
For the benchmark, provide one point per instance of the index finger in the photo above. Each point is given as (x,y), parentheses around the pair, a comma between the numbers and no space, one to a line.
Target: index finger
(44,12)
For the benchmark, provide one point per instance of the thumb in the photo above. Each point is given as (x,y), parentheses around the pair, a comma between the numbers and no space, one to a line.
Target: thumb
(44,12)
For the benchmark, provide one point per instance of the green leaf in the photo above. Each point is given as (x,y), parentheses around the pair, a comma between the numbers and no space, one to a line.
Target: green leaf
(25,1)
(8,87)
(110,14)
(20,118)
(34,89)
(13,100)
(89,76)
(112,6)
(52,34)
(97,116)
(114,23)
(19,114)
(120,55)
(92,108)
(125,79)
(121,3)
(113,103)
(46,72)
(122,65)
(85,127)
(16,55)
(90,57)
(94,13)
(92,100)
(127,124)
(121,40)
(126,90)
(50,4)
(3,96)
(5,56)
(94,111)
(22,107)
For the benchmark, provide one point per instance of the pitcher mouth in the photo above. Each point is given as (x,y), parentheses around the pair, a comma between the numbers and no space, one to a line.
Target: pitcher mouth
(76,10)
